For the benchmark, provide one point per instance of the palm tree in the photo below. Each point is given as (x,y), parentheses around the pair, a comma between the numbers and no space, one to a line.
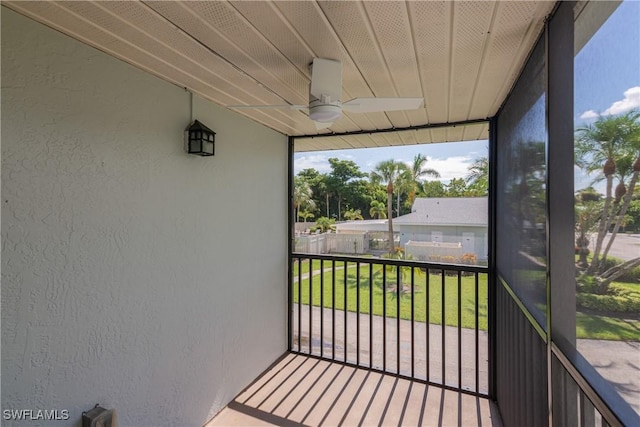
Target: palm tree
(403,184)
(302,195)
(378,209)
(305,215)
(631,144)
(597,146)
(416,171)
(478,176)
(479,169)
(587,213)
(353,215)
(388,171)
(325,224)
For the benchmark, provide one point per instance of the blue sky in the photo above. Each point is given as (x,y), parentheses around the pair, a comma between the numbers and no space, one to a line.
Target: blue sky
(607,73)
(449,159)
(607,81)
(609,66)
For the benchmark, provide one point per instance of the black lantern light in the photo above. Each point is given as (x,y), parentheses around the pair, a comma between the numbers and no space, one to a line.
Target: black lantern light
(200,139)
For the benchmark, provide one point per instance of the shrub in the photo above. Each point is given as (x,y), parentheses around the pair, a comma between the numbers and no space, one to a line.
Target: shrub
(609,303)
(589,285)
(632,275)
(469,258)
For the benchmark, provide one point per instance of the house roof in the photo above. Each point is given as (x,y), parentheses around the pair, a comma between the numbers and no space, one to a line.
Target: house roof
(461,57)
(469,211)
(367,224)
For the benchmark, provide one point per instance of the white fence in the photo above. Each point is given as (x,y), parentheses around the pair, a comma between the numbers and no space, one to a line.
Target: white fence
(328,243)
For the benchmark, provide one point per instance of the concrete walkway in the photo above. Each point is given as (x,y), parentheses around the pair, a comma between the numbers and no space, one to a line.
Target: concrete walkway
(619,363)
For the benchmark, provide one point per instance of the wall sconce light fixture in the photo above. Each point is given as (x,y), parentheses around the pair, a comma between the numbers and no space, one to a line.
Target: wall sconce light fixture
(200,139)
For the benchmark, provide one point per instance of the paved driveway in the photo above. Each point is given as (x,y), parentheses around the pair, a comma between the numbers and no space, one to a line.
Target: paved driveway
(625,246)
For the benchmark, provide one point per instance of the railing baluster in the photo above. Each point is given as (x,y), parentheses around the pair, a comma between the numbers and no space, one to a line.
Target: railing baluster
(321,307)
(311,306)
(290,316)
(398,293)
(358,313)
(345,311)
(413,312)
(371,315)
(443,329)
(459,329)
(384,317)
(427,325)
(476,331)
(333,309)
(299,304)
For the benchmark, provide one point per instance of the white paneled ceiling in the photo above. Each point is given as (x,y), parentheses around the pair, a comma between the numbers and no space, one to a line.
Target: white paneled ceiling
(462,57)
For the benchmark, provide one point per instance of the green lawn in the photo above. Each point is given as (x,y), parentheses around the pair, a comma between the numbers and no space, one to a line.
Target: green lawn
(606,328)
(316,265)
(305,266)
(420,303)
(587,325)
(610,328)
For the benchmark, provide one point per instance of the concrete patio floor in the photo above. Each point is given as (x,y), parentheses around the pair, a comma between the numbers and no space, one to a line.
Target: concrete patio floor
(300,390)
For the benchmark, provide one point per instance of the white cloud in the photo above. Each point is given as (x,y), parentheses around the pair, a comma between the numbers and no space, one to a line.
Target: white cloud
(589,115)
(630,101)
(318,162)
(450,167)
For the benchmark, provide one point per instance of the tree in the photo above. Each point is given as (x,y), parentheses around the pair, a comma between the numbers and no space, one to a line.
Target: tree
(353,215)
(456,188)
(597,147)
(318,184)
(357,194)
(477,178)
(433,189)
(632,147)
(305,215)
(342,172)
(302,195)
(325,224)
(416,171)
(587,211)
(378,209)
(388,171)
(634,215)
(403,185)
(623,172)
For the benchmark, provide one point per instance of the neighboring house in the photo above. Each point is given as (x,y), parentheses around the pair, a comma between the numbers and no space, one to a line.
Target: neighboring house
(462,220)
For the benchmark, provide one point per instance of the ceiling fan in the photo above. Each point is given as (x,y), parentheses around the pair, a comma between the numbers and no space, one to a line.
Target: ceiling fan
(325,93)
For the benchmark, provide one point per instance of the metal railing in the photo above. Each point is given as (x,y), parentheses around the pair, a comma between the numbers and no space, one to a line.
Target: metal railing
(412,319)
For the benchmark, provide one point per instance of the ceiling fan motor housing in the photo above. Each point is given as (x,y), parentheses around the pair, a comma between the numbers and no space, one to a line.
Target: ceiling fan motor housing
(324,112)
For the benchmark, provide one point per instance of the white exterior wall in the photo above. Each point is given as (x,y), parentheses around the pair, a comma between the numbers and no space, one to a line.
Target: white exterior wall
(133,274)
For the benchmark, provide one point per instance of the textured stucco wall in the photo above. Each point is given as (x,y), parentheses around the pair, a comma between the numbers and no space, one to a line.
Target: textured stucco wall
(133,274)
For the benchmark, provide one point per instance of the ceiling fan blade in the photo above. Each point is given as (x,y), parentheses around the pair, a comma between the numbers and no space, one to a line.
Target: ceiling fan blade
(268,107)
(323,125)
(372,105)
(326,79)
